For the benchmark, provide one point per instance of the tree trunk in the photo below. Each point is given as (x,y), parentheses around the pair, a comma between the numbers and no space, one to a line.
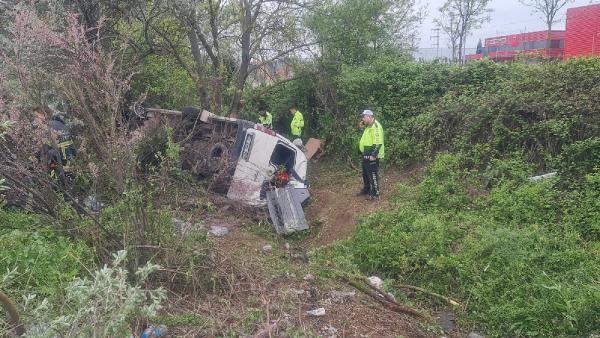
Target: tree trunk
(242,74)
(460,48)
(549,41)
(218,68)
(217,97)
(454,56)
(199,78)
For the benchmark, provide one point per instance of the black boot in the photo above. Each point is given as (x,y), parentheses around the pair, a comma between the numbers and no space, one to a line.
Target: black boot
(363,192)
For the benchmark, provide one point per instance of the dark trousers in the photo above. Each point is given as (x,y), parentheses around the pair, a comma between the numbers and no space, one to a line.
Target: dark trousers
(370,172)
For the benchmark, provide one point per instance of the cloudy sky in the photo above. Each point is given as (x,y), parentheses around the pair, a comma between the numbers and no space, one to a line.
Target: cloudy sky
(508,17)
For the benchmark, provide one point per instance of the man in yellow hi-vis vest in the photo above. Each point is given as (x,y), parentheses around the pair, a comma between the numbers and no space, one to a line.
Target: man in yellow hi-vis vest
(372,150)
(297,122)
(265,118)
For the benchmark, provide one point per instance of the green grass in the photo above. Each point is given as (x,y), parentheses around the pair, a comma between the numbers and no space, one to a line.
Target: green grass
(514,256)
(183,320)
(42,261)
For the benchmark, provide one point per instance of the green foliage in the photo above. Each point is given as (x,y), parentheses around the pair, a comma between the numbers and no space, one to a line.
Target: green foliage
(104,305)
(543,114)
(511,169)
(253,319)
(150,151)
(396,90)
(165,83)
(183,319)
(147,231)
(395,87)
(42,261)
(278,100)
(354,31)
(173,149)
(517,261)
(537,108)
(579,159)
(524,205)
(584,208)
(158,150)
(446,184)
(135,211)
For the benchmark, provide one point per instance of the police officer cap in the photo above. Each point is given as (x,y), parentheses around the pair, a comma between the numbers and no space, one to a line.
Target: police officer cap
(367,112)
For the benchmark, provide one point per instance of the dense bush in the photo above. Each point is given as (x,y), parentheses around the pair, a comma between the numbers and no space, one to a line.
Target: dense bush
(539,109)
(524,260)
(106,305)
(278,99)
(485,109)
(584,209)
(164,83)
(40,260)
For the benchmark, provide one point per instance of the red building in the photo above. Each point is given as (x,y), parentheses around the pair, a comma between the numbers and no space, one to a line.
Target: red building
(581,37)
(583,31)
(506,47)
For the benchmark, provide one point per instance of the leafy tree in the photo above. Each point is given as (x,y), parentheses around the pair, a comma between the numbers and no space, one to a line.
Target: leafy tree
(450,26)
(469,15)
(547,9)
(221,42)
(354,31)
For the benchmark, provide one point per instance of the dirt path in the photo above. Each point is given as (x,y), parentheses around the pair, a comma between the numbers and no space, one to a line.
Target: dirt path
(256,289)
(335,208)
(281,282)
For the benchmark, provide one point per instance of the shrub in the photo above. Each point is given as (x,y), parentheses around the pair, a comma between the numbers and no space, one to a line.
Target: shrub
(446,184)
(515,256)
(524,205)
(163,83)
(487,111)
(42,260)
(105,305)
(510,169)
(579,159)
(583,208)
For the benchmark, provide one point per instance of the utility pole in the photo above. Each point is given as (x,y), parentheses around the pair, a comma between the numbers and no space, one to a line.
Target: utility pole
(436,38)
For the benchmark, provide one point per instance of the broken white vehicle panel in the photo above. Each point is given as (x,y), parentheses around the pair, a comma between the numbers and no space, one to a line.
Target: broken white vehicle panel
(241,157)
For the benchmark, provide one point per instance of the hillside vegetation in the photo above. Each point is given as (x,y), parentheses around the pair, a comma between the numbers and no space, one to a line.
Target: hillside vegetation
(523,256)
(125,242)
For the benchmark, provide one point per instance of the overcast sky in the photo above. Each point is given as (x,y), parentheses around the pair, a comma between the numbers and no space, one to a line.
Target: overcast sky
(508,17)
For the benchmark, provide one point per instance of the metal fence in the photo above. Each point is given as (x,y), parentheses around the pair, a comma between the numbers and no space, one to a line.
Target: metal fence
(440,54)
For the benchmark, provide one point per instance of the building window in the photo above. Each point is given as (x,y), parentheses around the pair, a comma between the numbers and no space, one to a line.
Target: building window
(539,44)
(557,44)
(528,45)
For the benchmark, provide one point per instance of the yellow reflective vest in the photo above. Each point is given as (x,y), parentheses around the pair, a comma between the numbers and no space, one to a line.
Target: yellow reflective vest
(371,142)
(297,124)
(266,120)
